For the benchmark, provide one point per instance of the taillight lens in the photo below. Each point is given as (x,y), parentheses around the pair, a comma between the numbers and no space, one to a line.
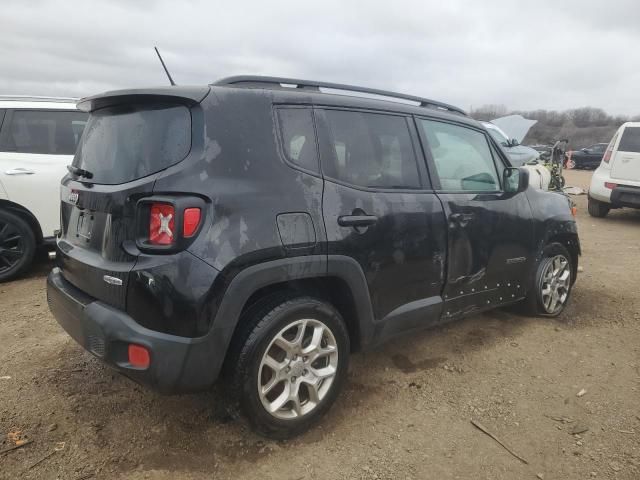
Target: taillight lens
(191,220)
(162,224)
(606,158)
(610,185)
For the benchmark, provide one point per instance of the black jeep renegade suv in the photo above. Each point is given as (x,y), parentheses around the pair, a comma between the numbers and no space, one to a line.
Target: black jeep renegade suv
(261,229)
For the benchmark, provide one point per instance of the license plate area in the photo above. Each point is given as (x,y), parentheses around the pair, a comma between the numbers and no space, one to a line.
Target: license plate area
(85,225)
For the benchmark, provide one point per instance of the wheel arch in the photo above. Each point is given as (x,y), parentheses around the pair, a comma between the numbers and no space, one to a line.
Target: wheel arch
(26,215)
(566,234)
(338,280)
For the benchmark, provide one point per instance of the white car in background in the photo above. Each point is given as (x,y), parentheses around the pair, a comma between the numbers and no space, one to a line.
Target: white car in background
(38,138)
(616,182)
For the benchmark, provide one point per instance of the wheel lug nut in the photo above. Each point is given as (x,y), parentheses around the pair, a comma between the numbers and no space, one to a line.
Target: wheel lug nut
(288,369)
(305,358)
(293,379)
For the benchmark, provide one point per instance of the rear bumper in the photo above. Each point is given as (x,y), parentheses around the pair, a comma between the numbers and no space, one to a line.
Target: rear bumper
(178,364)
(623,196)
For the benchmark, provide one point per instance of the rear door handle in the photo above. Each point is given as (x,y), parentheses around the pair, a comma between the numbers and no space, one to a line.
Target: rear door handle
(357,220)
(19,171)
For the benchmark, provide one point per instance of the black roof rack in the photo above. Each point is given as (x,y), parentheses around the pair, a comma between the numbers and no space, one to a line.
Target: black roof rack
(260,81)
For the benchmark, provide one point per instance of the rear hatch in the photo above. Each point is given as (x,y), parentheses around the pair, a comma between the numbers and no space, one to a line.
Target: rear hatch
(130,138)
(626,164)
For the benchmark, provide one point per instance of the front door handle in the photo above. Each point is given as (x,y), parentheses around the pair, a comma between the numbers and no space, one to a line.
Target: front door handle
(357,220)
(19,171)
(461,218)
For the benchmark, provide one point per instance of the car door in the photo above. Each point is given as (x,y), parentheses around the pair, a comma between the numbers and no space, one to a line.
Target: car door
(594,155)
(379,210)
(490,232)
(35,148)
(3,193)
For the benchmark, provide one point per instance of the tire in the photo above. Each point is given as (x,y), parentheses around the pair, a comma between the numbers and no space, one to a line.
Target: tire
(597,208)
(17,245)
(259,388)
(540,300)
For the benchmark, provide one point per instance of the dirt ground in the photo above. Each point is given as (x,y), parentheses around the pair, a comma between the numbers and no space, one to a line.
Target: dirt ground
(406,411)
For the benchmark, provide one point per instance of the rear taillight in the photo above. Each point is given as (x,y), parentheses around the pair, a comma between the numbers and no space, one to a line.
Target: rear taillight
(168,224)
(610,185)
(606,158)
(191,220)
(162,224)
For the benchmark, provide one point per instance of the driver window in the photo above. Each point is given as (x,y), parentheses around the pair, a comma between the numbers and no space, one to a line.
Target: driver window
(462,157)
(371,150)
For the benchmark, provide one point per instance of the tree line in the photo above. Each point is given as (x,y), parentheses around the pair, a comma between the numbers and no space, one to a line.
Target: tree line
(581,126)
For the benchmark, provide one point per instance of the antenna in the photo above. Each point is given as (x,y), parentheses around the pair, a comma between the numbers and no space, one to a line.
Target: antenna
(173,84)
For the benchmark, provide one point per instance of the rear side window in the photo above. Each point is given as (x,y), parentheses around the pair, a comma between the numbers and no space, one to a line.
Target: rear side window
(371,150)
(630,141)
(462,157)
(124,143)
(42,131)
(298,137)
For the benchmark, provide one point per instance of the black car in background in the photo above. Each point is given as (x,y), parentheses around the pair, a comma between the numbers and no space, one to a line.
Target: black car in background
(589,157)
(260,230)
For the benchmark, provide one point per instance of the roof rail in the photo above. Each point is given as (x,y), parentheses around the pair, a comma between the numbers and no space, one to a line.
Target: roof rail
(260,81)
(35,98)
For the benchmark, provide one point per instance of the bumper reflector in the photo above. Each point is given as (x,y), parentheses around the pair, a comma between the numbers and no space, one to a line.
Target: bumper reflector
(139,356)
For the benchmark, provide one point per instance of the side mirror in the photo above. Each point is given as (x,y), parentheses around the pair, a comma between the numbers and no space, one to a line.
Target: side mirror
(515,180)
(585,150)
(514,142)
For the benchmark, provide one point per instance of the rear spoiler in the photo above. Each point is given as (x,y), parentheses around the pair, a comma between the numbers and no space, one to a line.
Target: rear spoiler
(185,95)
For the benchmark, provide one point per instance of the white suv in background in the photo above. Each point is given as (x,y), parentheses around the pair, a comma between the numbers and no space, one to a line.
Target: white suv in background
(616,182)
(38,138)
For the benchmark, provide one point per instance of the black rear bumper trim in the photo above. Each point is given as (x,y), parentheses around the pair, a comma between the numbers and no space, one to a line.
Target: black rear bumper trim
(178,364)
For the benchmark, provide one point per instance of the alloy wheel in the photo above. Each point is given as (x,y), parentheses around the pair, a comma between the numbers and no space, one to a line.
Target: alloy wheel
(555,283)
(297,369)
(11,246)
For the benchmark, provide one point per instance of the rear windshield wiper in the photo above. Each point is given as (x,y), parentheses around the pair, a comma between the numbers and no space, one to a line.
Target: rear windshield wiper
(79,172)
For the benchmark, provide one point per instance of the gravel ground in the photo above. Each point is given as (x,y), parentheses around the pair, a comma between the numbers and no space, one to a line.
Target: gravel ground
(406,412)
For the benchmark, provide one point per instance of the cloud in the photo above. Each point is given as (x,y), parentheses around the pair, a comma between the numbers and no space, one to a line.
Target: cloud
(543,54)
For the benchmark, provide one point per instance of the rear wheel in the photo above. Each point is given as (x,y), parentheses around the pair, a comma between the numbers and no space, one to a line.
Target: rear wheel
(552,282)
(597,208)
(290,365)
(17,245)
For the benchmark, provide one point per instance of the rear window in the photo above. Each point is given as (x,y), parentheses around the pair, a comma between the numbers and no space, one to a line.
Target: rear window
(630,141)
(48,132)
(124,143)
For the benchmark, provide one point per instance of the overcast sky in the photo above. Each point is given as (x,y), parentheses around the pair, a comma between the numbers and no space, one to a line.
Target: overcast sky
(546,54)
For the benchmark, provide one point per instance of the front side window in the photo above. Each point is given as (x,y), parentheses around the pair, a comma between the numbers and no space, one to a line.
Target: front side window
(51,132)
(371,150)
(462,157)
(298,137)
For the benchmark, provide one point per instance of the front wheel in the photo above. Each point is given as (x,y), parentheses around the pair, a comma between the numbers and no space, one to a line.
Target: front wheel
(291,365)
(552,282)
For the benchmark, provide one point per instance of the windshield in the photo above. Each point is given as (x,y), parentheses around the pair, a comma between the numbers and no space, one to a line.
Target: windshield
(497,134)
(124,143)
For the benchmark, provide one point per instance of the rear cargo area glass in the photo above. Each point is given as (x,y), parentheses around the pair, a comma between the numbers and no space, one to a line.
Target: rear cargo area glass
(124,143)
(630,141)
